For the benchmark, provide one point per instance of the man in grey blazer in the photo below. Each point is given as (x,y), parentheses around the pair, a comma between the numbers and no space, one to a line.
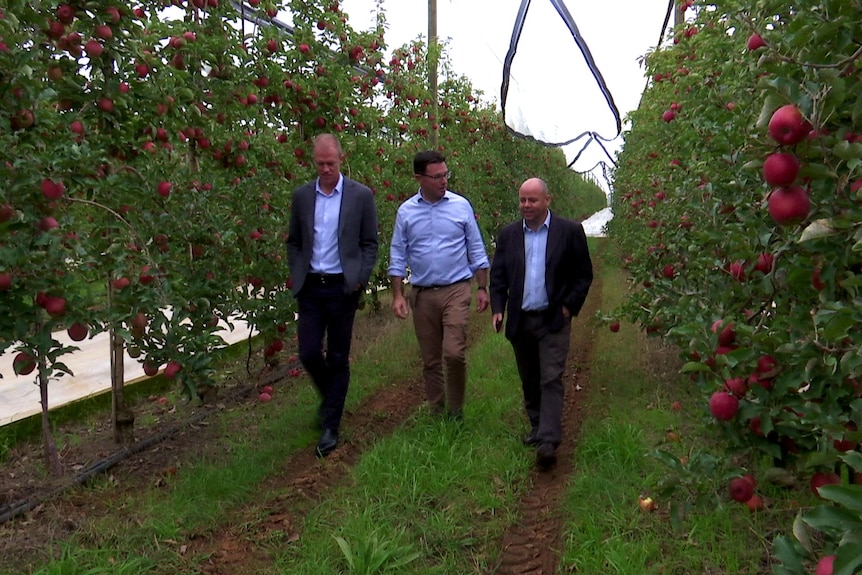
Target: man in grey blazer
(331,252)
(540,275)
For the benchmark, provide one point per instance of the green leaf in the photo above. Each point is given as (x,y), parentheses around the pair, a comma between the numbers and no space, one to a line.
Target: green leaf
(694,366)
(848,559)
(784,550)
(856,113)
(848,496)
(853,459)
(770,104)
(832,519)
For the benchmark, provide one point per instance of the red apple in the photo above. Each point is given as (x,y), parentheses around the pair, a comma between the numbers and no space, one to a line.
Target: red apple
(821,478)
(304,48)
(788,205)
(65,13)
(755,503)
(615,326)
(668,271)
(727,335)
(668,115)
(788,126)
(264,397)
(78,331)
(103,31)
(164,189)
(5,281)
(77,127)
(723,406)
(6,212)
(93,48)
(120,283)
(736,385)
(55,306)
(764,264)
(755,42)
(780,169)
(826,565)
(24,363)
(106,104)
(741,489)
(737,270)
(172,369)
(150,368)
(52,190)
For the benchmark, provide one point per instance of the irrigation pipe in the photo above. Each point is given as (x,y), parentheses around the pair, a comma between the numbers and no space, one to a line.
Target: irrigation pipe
(9,512)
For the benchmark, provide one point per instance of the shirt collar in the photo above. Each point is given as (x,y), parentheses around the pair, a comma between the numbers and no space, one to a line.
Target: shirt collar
(336,190)
(546,223)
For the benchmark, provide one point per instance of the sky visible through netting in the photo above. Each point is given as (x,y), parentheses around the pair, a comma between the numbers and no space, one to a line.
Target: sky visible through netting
(564,72)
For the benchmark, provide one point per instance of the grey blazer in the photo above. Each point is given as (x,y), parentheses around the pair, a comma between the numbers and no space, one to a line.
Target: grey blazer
(357,234)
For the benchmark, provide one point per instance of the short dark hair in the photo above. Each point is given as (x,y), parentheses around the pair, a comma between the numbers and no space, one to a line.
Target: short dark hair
(422,159)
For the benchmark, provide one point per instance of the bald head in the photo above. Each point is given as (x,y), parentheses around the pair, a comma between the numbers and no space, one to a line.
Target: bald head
(533,201)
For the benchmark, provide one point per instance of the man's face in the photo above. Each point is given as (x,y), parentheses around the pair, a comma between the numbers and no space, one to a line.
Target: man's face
(533,202)
(434,181)
(327,161)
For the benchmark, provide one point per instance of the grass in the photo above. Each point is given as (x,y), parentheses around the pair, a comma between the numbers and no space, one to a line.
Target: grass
(436,496)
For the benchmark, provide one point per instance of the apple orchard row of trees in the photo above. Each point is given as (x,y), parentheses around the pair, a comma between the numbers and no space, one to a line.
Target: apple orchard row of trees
(148,151)
(738,206)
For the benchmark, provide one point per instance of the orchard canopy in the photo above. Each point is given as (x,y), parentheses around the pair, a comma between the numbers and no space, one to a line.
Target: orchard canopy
(148,151)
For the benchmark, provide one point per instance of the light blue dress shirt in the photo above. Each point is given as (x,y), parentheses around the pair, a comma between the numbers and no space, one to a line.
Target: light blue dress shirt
(440,242)
(327,212)
(535,249)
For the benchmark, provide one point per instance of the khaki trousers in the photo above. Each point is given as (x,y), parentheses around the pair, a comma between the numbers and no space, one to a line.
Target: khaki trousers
(440,317)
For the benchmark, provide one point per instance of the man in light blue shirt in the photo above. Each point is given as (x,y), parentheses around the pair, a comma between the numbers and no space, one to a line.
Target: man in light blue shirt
(437,238)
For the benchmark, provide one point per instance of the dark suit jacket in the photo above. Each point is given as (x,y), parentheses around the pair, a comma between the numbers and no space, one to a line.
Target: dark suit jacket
(357,234)
(568,272)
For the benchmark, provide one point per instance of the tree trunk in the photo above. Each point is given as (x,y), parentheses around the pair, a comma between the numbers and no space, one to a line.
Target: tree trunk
(122,416)
(52,458)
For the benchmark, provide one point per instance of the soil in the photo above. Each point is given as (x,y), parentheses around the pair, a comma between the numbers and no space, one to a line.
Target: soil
(54,511)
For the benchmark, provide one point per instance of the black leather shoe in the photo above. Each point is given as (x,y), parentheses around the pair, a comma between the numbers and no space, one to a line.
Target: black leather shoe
(546,456)
(328,442)
(532,438)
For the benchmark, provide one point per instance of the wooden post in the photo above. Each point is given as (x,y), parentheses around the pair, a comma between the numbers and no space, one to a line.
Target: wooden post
(432,70)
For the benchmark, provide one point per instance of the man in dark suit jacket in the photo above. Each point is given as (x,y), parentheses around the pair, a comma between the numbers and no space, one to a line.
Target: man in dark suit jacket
(540,275)
(331,249)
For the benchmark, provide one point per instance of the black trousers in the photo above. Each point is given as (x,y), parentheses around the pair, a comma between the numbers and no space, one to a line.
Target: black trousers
(541,359)
(325,310)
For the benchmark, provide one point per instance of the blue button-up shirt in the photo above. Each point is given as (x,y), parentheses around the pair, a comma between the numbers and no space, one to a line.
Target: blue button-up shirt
(327,212)
(440,242)
(535,249)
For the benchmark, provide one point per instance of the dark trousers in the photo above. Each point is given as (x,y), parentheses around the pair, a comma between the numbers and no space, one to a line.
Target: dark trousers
(326,309)
(541,359)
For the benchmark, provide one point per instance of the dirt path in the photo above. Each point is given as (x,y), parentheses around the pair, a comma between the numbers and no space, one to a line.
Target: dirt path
(531,546)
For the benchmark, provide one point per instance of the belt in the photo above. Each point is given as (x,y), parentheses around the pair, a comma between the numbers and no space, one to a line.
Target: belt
(325,279)
(533,312)
(422,288)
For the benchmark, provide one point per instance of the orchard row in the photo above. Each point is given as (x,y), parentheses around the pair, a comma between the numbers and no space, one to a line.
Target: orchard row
(149,151)
(738,204)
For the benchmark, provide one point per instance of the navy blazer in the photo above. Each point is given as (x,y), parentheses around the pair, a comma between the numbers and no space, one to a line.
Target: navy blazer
(357,234)
(568,273)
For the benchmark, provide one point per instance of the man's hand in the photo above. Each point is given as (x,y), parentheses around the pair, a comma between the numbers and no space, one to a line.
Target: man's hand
(399,306)
(497,322)
(566,313)
(481,300)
